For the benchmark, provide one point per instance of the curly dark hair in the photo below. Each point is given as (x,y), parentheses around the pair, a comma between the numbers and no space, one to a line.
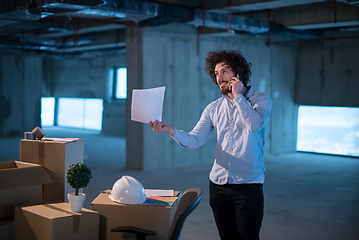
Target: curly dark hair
(234,59)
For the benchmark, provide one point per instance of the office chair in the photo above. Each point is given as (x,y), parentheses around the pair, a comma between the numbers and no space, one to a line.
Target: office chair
(188,202)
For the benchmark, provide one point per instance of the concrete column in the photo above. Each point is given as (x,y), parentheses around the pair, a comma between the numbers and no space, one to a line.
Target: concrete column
(20,93)
(134,63)
(32,92)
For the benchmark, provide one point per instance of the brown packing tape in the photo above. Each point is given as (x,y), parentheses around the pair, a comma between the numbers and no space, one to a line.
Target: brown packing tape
(42,157)
(76,223)
(42,153)
(106,191)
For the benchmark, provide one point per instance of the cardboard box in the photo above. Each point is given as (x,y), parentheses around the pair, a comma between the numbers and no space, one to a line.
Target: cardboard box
(56,157)
(20,183)
(7,229)
(154,216)
(55,222)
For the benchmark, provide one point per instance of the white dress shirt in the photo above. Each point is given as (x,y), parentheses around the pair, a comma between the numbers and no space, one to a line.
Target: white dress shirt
(240,127)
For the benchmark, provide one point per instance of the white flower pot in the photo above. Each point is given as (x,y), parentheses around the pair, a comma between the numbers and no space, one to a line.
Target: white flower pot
(76,201)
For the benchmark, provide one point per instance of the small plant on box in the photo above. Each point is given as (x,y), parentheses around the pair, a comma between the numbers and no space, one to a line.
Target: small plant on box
(78,175)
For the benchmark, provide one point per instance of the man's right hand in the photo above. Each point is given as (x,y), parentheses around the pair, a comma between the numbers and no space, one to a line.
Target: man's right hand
(162,126)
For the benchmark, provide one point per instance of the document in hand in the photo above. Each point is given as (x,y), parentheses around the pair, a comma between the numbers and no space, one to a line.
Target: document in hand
(147,104)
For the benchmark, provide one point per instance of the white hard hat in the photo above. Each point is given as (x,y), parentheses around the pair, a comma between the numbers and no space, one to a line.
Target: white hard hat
(128,190)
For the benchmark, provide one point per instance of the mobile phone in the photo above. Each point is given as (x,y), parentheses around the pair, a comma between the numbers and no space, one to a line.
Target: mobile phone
(239,77)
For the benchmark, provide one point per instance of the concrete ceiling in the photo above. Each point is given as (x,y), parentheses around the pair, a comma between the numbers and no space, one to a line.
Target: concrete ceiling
(80,27)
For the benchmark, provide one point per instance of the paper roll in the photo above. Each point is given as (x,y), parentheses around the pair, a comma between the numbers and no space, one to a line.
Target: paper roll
(29,136)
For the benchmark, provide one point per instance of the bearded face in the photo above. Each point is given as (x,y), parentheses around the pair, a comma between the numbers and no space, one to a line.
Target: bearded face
(224,88)
(224,74)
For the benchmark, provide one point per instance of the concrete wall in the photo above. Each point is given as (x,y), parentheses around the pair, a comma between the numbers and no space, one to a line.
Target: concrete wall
(328,73)
(283,121)
(173,57)
(87,78)
(171,60)
(114,118)
(20,93)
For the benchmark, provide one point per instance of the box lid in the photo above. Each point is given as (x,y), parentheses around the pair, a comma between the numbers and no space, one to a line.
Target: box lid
(16,174)
(103,199)
(56,210)
(53,140)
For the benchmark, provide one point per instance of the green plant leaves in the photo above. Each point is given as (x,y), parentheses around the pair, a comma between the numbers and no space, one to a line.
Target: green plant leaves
(78,175)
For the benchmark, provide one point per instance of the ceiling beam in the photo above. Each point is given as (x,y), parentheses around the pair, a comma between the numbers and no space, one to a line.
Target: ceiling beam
(310,16)
(109,38)
(255,5)
(100,28)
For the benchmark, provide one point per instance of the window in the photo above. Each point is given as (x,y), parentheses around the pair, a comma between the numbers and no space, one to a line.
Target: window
(47,111)
(85,113)
(119,83)
(332,130)
(71,112)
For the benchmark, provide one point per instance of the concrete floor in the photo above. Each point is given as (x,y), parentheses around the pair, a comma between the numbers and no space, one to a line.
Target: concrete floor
(307,196)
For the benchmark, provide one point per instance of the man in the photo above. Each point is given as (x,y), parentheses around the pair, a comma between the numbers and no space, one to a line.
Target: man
(239,118)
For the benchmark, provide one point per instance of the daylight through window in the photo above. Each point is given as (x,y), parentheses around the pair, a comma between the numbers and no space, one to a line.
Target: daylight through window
(332,130)
(85,113)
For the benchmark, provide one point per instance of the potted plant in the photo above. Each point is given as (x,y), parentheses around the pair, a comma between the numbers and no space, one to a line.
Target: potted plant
(78,175)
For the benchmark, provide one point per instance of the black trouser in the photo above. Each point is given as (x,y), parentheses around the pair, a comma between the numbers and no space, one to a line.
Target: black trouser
(237,210)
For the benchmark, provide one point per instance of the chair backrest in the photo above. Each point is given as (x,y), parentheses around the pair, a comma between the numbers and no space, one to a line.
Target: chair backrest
(188,202)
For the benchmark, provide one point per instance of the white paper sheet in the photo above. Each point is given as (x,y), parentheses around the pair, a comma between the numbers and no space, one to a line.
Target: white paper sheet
(147,104)
(159,193)
(59,139)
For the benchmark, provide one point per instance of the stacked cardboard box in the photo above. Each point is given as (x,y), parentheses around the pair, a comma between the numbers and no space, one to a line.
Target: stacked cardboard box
(46,219)
(154,215)
(56,157)
(20,183)
(55,222)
